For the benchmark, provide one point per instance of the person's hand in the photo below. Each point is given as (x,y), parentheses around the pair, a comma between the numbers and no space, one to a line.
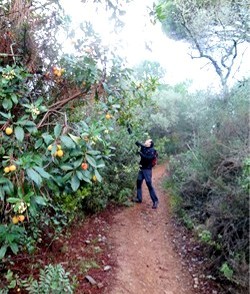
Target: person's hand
(138,143)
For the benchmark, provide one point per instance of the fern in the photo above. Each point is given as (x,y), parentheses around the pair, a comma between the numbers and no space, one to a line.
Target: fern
(52,280)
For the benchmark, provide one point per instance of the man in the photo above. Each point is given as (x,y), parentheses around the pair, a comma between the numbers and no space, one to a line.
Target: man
(147,153)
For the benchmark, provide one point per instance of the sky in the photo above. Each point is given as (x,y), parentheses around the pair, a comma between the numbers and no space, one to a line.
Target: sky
(138,30)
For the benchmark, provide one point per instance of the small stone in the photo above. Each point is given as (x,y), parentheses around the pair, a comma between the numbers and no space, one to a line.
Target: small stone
(107,268)
(100,285)
(90,280)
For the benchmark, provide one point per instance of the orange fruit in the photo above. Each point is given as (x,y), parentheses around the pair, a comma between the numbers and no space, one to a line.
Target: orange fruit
(8,131)
(59,147)
(21,218)
(6,169)
(12,167)
(50,147)
(15,220)
(108,116)
(59,153)
(84,166)
(94,178)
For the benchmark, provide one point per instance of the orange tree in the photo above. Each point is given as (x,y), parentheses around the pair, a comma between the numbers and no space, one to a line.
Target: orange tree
(40,158)
(43,154)
(56,122)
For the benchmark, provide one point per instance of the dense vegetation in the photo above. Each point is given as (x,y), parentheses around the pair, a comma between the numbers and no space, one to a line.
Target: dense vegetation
(64,144)
(209,137)
(209,175)
(65,149)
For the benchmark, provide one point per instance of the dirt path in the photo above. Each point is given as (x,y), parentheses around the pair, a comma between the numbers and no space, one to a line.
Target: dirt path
(124,250)
(142,242)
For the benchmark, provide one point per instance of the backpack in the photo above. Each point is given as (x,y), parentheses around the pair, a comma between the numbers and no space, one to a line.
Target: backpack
(155,159)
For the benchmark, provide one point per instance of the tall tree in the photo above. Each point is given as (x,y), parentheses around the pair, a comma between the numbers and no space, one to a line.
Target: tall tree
(148,69)
(214,28)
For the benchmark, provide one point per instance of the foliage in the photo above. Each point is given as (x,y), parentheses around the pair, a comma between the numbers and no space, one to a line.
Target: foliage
(64,120)
(52,279)
(147,69)
(227,272)
(176,116)
(12,281)
(120,171)
(210,183)
(86,265)
(208,26)
(11,237)
(60,118)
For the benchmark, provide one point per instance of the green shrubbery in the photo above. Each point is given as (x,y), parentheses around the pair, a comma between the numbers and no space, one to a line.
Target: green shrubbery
(210,183)
(52,279)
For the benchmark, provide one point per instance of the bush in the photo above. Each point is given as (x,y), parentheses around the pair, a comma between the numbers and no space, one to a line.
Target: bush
(53,279)
(210,182)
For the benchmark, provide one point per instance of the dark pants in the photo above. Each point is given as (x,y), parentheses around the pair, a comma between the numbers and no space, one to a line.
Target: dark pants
(145,174)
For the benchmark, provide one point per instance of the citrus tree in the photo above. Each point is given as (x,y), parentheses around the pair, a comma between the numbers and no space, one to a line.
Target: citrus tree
(58,114)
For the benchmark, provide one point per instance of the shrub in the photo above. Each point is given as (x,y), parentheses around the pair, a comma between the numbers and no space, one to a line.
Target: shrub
(53,279)
(210,180)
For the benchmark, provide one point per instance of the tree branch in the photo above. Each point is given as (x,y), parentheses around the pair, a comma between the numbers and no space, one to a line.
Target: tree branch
(54,107)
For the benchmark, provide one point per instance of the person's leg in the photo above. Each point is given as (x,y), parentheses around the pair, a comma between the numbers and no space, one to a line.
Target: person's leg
(140,179)
(148,178)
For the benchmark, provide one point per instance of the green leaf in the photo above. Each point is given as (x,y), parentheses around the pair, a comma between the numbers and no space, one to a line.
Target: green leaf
(93,152)
(57,130)
(4,180)
(34,176)
(39,200)
(77,162)
(67,141)
(98,176)
(42,172)
(12,284)
(29,123)
(100,163)
(47,138)
(90,160)
(87,176)
(30,126)
(75,138)
(116,106)
(14,98)
(84,125)
(7,104)
(1,193)
(13,200)
(14,248)
(67,176)
(38,143)
(6,115)
(75,183)
(79,175)
(3,250)
(87,173)
(66,167)
(86,179)
(19,133)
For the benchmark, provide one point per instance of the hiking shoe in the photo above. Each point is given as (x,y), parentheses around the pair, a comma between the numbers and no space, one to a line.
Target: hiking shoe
(155,205)
(136,200)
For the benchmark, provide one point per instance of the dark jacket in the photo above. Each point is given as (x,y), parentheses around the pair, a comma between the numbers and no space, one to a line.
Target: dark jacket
(147,154)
